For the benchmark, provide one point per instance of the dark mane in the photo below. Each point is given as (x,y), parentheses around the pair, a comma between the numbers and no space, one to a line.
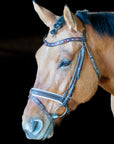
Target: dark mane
(102,22)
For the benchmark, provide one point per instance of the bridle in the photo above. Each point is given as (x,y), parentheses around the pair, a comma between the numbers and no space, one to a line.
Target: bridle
(64,99)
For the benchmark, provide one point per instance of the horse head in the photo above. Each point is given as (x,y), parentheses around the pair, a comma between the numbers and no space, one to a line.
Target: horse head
(56,66)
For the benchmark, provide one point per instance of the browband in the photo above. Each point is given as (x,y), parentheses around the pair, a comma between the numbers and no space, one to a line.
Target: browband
(82,39)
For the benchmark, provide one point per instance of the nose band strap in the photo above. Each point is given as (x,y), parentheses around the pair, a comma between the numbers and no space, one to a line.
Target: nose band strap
(45,94)
(41,106)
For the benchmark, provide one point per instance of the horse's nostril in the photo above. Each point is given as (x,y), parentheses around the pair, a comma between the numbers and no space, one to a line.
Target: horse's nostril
(33,126)
(37,126)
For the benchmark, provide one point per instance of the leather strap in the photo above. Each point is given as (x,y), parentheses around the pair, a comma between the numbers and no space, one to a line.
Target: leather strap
(41,106)
(53,44)
(46,94)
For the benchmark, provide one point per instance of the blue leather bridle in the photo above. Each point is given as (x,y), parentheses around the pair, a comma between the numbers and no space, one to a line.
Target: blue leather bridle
(64,99)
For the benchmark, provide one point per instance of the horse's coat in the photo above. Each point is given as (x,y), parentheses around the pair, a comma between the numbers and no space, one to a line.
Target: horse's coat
(55,78)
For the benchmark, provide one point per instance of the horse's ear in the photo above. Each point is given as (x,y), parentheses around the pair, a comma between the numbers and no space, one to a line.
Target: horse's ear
(69,19)
(45,15)
(73,23)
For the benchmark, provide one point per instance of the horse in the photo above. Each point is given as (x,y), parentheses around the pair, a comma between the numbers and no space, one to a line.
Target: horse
(77,55)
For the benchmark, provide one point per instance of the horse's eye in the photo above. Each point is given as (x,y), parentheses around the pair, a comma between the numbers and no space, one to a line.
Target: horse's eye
(64,63)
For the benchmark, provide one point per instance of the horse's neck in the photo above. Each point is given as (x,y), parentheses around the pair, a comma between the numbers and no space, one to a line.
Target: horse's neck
(102,49)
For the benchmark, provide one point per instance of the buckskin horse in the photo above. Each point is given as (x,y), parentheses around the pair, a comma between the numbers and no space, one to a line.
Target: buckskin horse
(76,57)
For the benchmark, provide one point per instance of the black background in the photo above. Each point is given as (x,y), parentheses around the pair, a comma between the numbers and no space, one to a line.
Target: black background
(91,122)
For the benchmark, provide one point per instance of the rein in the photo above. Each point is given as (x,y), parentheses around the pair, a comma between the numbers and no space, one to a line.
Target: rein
(64,99)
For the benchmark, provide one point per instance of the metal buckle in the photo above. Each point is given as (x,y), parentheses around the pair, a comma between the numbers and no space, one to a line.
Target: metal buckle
(55,116)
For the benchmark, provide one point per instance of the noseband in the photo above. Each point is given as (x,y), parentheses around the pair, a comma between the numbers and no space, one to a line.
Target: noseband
(63,99)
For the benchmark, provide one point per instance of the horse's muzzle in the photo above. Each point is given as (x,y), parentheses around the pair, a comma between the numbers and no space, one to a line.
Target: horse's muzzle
(37,130)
